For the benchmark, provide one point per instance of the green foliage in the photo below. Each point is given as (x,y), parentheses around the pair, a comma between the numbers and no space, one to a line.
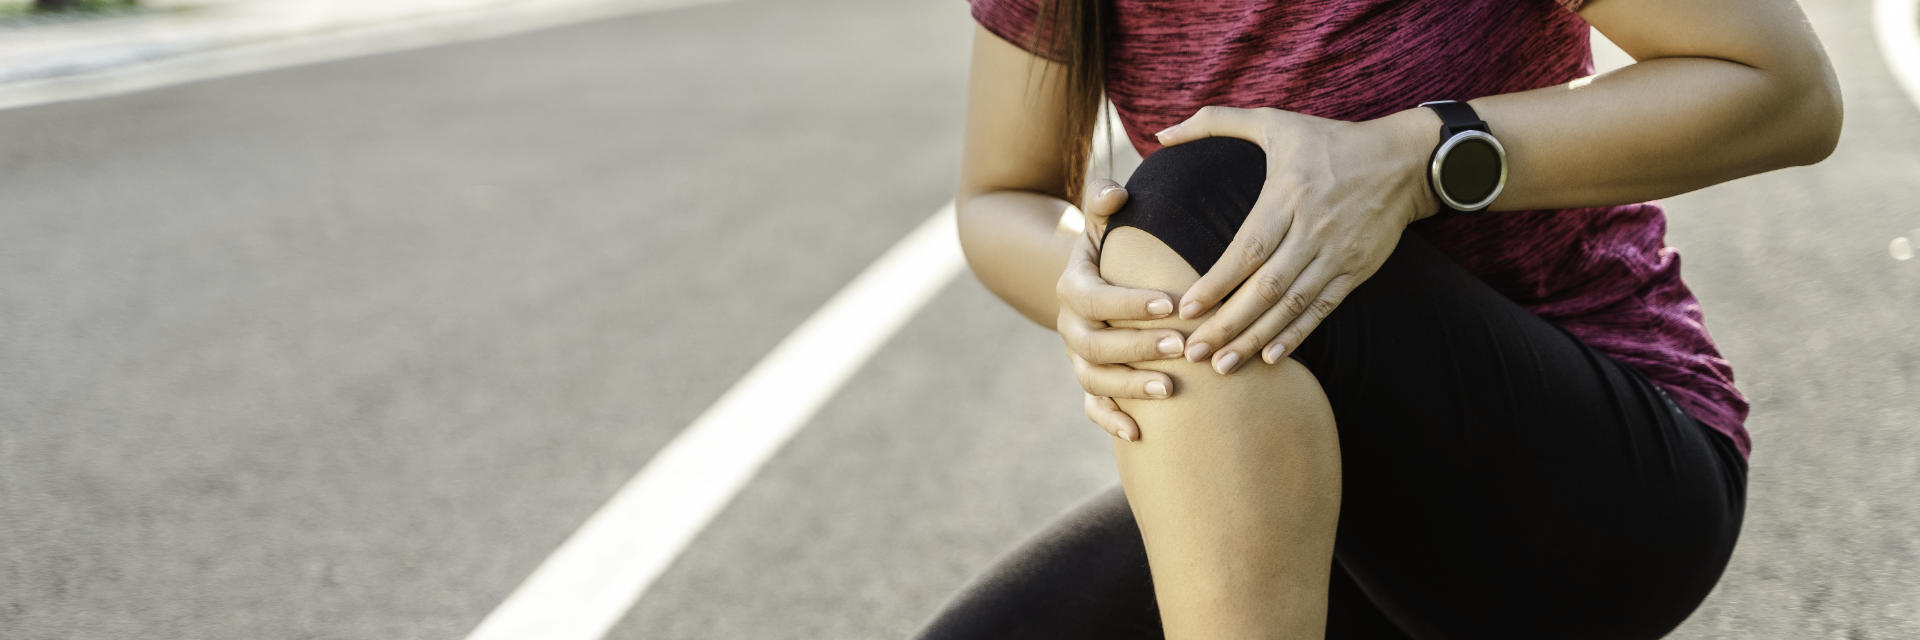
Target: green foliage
(17,8)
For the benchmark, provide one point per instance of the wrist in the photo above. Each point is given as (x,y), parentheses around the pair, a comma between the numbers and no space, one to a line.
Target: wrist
(1412,135)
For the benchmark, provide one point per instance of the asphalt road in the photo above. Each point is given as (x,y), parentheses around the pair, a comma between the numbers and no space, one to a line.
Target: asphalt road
(345,350)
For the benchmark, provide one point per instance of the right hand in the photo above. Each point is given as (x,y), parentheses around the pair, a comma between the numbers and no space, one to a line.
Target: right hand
(1101,353)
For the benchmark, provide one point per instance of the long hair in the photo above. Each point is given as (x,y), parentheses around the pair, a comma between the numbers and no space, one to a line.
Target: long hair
(1075,29)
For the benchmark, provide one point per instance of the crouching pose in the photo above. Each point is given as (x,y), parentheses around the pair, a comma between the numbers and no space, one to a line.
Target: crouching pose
(1384,328)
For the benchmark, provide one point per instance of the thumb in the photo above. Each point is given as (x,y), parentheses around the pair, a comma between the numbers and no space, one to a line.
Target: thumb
(1209,122)
(1108,197)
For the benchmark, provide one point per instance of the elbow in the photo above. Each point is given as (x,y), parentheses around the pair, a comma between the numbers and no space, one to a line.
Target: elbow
(977,230)
(966,223)
(1818,119)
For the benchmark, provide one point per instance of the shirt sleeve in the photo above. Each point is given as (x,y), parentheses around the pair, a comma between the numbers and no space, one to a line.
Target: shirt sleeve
(1014,21)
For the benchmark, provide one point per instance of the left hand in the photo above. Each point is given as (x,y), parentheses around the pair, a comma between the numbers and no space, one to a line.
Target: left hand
(1336,199)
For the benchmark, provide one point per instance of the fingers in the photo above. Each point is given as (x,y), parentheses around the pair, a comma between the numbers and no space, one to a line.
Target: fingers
(1121,381)
(1085,254)
(1100,344)
(1082,290)
(1215,121)
(1297,332)
(1266,226)
(1103,412)
(1311,297)
(1278,288)
(1108,197)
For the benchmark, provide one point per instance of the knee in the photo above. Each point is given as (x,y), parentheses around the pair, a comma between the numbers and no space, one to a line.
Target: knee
(1193,197)
(1130,257)
(1196,191)
(1251,395)
(1185,204)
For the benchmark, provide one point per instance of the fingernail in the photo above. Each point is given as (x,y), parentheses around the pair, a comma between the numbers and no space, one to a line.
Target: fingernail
(1274,352)
(1170,346)
(1190,309)
(1126,434)
(1166,131)
(1160,307)
(1198,351)
(1157,389)
(1227,362)
(1110,189)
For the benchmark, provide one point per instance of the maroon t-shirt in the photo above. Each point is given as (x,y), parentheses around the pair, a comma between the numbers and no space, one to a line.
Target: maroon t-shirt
(1604,274)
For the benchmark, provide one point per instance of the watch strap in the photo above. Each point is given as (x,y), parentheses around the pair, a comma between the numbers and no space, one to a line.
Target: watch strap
(1455,117)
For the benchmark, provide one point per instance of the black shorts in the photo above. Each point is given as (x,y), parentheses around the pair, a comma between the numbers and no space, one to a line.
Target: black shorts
(1501,478)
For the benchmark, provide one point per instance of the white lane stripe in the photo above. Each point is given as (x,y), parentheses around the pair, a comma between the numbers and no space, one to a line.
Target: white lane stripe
(348,42)
(1894,26)
(588,584)
(1607,56)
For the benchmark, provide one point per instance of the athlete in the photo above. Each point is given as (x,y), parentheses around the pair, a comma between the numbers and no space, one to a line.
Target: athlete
(1383,327)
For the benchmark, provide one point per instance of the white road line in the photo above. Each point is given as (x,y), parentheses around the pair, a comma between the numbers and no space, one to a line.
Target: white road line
(383,37)
(1607,56)
(588,584)
(1894,26)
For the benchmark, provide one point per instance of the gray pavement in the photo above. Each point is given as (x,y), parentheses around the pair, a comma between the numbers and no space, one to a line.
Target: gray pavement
(344,350)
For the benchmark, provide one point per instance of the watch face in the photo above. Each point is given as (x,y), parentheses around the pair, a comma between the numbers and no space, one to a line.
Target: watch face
(1471,170)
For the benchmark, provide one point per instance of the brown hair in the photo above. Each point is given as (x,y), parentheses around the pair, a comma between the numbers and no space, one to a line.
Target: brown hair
(1074,30)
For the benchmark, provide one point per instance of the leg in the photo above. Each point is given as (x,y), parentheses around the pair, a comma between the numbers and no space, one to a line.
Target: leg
(1235,481)
(1085,576)
(1496,476)
(1351,613)
(1504,480)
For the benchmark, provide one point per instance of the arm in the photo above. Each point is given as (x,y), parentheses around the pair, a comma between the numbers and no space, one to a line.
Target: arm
(1012,209)
(1011,197)
(1016,246)
(1721,90)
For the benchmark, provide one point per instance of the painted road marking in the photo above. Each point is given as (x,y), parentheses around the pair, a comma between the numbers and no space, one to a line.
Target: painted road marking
(1607,56)
(588,584)
(385,37)
(1894,26)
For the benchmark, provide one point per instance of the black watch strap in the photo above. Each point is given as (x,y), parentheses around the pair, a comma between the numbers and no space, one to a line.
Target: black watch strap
(1456,117)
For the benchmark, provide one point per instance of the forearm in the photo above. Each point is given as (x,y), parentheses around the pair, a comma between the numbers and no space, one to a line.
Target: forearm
(1654,129)
(1017,247)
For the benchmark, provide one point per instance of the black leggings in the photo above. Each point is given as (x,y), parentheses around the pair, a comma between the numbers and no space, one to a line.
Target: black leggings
(1501,479)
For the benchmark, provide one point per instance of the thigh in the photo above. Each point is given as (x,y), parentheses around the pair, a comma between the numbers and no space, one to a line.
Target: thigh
(1502,477)
(1085,576)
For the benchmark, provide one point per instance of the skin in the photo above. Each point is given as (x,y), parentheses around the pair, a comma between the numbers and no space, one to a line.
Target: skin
(1721,90)
(1237,487)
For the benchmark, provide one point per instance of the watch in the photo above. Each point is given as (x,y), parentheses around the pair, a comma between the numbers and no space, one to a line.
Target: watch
(1469,167)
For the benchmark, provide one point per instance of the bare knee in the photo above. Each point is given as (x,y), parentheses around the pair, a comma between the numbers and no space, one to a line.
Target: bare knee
(1235,481)
(1132,258)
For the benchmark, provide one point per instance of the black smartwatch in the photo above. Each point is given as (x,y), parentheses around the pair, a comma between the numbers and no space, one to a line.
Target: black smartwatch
(1469,167)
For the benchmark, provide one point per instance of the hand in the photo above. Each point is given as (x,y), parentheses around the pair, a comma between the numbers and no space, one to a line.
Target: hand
(1100,352)
(1336,199)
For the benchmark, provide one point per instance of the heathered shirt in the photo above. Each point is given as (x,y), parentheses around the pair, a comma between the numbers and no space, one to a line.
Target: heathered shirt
(1604,274)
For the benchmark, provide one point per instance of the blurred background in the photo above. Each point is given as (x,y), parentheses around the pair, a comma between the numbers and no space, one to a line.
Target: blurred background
(644,319)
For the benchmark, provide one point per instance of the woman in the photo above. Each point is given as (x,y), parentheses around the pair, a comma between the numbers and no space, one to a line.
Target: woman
(1374,368)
